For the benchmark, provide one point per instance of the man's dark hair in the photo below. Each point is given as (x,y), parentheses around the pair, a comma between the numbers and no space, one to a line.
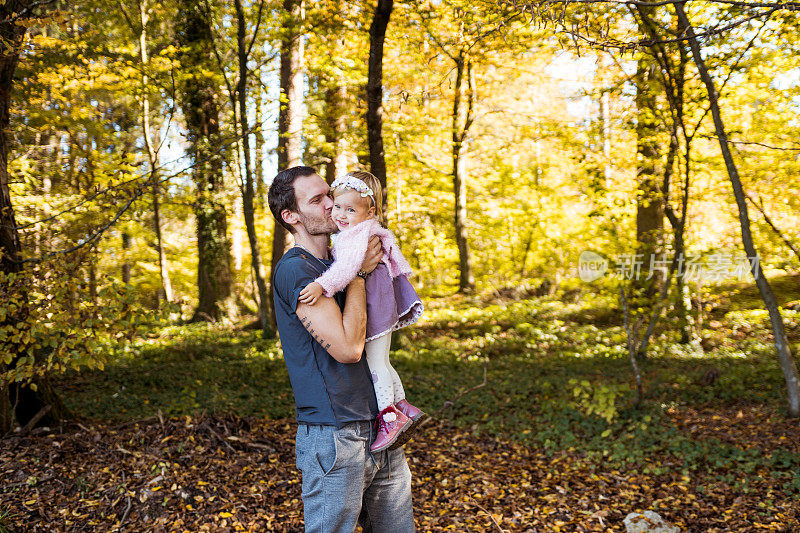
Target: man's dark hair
(281,192)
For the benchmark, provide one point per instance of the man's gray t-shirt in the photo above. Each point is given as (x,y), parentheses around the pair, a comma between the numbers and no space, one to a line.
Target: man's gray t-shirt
(326,392)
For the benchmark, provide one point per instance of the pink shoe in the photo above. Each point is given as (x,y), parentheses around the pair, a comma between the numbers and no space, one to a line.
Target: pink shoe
(410,411)
(416,415)
(391,423)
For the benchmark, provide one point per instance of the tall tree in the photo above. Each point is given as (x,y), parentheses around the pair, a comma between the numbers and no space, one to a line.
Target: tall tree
(787,362)
(673,59)
(290,120)
(377,36)
(461,43)
(10,252)
(469,38)
(31,402)
(248,186)
(199,100)
(462,119)
(152,154)
(649,198)
(649,206)
(336,101)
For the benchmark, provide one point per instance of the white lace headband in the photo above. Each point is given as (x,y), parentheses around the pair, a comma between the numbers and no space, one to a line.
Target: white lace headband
(348,181)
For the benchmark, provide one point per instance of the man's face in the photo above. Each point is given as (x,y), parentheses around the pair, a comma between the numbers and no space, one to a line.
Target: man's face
(314,205)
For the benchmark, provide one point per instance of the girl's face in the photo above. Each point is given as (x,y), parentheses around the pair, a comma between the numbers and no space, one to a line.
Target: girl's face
(350,208)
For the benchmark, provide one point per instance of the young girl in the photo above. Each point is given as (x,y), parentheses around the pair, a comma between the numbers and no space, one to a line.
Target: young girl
(392,302)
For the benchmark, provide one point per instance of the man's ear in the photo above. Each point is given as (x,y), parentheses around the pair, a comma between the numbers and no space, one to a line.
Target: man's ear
(290,217)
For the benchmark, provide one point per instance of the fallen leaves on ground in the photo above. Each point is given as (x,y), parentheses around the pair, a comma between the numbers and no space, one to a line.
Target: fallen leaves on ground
(235,474)
(744,425)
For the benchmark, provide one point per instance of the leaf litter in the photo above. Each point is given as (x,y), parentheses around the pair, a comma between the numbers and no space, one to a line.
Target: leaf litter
(226,473)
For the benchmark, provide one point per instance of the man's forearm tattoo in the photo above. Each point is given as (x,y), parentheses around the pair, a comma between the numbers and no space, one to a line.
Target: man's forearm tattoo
(307,324)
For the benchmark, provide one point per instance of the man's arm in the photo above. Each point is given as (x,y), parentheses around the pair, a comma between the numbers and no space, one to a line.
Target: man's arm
(342,333)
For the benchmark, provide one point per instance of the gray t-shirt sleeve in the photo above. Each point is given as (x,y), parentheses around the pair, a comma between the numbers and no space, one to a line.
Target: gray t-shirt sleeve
(291,278)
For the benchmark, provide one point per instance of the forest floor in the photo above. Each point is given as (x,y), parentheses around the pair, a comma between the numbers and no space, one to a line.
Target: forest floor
(233,474)
(552,440)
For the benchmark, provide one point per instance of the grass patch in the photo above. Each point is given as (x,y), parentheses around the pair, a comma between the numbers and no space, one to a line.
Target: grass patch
(185,370)
(557,380)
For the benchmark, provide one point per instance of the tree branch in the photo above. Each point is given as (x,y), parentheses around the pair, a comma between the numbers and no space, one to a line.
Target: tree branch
(760,206)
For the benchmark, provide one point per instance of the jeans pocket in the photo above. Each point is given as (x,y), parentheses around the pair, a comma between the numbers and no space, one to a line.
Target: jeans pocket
(326,448)
(300,446)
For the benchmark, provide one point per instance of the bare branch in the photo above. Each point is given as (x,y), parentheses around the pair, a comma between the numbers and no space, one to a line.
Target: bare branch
(436,41)
(97,234)
(255,31)
(221,64)
(451,403)
(760,206)
(231,141)
(645,43)
(128,19)
(35,420)
(528,6)
(753,143)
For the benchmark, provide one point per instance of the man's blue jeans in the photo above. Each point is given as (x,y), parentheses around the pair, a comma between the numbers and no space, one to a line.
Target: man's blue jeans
(343,484)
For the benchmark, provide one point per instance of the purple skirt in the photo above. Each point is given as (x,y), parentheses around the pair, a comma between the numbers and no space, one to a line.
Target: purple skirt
(391,303)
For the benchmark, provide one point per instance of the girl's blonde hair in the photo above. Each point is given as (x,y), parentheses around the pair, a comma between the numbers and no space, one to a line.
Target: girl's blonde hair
(377,191)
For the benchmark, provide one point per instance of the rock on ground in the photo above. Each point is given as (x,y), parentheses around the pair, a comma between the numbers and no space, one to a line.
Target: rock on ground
(648,522)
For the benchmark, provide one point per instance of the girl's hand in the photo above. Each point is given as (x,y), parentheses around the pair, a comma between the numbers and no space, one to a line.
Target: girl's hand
(310,294)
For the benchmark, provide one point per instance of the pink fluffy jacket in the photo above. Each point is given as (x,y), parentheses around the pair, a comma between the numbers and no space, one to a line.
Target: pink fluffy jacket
(349,248)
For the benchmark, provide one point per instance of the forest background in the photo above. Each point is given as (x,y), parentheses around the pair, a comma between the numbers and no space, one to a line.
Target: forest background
(514,138)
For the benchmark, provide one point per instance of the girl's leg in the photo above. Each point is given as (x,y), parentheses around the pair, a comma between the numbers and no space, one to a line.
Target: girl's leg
(399,392)
(382,378)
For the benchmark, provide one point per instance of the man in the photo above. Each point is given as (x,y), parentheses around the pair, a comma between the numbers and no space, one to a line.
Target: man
(335,401)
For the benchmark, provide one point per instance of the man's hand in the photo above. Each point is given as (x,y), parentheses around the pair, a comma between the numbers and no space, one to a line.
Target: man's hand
(374,254)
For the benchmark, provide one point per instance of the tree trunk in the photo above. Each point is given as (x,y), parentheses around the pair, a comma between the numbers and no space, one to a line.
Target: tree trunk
(462,120)
(165,292)
(6,416)
(201,109)
(523,271)
(92,274)
(248,194)
(335,128)
(261,189)
(785,357)
(25,400)
(605,134)
(674,78)
(678,225)
(12,36)
(377,35)
(290,121)
(126,261)
(684,300)
(649,205)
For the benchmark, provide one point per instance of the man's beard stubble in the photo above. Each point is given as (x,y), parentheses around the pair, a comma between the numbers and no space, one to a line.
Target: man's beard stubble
(318,225)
